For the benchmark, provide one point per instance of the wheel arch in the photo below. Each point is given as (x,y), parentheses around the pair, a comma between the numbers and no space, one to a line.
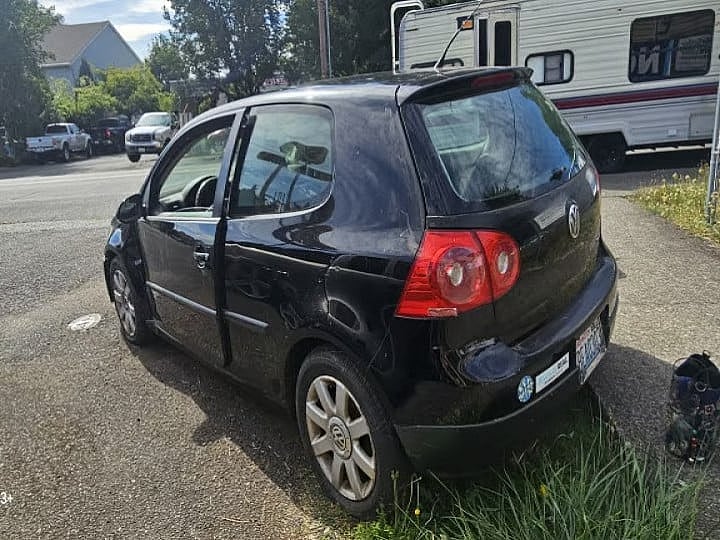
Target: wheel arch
(117,248)
(298,352)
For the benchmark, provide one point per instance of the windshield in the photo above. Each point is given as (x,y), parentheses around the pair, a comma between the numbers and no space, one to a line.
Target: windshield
(154,119)
(51,130)
(109,122)
(500,147)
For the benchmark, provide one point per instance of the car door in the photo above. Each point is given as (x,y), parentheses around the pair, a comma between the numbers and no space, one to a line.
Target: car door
(275,260)
(74,142)
(177,235)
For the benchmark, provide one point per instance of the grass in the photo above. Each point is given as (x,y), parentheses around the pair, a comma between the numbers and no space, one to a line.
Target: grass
(682,201)
(581,484)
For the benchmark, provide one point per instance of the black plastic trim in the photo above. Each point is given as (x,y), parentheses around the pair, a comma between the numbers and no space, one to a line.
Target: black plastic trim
(244,320)
(198,308)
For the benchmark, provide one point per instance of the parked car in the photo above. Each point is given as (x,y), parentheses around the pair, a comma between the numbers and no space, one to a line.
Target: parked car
(60,142)
(413,265)
(109,133)
(150,135)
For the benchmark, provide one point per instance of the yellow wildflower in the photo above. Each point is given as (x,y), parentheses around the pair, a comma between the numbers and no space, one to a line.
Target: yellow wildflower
(544,491)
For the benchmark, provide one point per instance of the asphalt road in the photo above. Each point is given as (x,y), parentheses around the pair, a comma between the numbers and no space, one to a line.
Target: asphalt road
(100,440)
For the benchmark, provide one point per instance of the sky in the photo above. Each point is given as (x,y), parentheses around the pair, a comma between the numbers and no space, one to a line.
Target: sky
(138,21)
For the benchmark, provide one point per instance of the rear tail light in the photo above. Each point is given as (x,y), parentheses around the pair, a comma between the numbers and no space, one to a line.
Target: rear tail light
(456,271)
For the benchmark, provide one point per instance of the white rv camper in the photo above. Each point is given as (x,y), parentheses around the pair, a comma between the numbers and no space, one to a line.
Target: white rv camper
(625,73)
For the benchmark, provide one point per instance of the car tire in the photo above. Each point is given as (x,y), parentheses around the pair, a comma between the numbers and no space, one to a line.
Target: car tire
(66,156)
(132,308)
(134,157)
(608,152)
(89,150)
(353,447)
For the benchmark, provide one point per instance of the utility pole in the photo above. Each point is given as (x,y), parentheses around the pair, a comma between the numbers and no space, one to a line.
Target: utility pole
(714,171)
(322,34)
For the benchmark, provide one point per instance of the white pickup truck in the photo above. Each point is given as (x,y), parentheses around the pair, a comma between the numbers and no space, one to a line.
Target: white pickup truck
(60,142)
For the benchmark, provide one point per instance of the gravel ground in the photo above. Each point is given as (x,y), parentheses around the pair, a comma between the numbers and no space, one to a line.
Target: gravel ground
(98,440)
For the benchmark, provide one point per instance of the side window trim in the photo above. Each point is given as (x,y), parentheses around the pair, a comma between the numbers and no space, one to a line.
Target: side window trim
(246,127)
(177,146)
(229,155)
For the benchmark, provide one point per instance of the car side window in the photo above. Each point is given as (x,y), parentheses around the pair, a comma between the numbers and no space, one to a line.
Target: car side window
(187,184)
(288,163)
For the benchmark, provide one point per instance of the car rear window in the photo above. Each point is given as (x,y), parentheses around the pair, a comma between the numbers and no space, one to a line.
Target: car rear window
(496,148)
(56,129)
(109,123)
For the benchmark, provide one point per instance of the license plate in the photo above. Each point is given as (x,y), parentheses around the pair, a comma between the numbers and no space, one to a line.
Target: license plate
(141,150)
(547,377)
(590,349)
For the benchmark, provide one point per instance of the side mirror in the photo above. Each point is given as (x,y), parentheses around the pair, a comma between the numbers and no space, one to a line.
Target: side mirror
(175,125)
(130,209)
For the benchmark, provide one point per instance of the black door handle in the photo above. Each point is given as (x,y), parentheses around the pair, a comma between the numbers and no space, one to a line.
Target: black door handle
(201,257)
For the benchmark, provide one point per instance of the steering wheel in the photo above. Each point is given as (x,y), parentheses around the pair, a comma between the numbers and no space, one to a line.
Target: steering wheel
(205,195)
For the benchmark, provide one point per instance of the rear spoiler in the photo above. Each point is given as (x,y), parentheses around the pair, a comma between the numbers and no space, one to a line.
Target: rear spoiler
(448,85)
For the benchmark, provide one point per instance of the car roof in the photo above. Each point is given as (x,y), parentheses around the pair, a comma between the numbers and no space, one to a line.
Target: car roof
(395,87)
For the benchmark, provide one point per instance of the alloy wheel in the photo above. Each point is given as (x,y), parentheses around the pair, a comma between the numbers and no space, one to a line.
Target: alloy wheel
(122,293)
(340,438)
(66,154)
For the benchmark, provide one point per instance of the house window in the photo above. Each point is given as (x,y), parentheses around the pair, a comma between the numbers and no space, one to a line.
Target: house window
(671,46)
(551,68)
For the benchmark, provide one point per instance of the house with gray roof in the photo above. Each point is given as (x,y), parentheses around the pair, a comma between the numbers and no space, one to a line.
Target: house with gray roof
(98,44)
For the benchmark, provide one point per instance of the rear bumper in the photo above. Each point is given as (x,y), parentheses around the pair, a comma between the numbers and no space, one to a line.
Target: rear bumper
(44,151)
(481,422)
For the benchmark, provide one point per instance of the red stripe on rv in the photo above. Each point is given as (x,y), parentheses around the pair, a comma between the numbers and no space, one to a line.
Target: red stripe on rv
(637,96)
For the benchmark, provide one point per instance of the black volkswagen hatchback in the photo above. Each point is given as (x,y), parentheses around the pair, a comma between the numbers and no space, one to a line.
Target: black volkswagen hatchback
(413,265)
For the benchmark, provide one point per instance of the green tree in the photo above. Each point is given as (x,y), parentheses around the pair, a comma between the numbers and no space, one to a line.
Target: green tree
(239,37)
(166,61)
(84,105)
(359,37)
(136,90)
(24,92)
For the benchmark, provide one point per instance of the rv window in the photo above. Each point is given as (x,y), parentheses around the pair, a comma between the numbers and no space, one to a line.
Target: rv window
(671,46)
(503,43)
(551,67)
(482,43)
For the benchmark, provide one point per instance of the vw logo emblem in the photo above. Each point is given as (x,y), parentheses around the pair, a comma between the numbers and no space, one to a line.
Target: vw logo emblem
(574,220)
(339,438)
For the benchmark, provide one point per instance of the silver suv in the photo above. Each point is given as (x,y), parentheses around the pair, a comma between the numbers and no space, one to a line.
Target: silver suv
(150,135)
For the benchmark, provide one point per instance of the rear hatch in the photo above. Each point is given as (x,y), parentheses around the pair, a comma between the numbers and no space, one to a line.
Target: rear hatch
(494,154)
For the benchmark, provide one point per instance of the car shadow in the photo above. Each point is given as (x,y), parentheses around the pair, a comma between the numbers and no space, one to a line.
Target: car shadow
(631,387)
(263,431)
